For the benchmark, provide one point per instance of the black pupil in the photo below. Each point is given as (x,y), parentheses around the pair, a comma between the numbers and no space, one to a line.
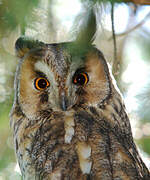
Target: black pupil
(80,79)
(42,83)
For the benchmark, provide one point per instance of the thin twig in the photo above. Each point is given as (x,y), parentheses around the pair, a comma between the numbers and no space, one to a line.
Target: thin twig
(113,31)
(133,28)
(115,61)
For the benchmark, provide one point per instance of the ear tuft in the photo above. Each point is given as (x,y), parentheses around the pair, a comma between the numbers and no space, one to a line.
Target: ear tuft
(23,45)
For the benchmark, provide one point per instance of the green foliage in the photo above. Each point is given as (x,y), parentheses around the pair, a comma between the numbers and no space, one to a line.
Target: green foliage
(16,12)
(144,143)
(7,155)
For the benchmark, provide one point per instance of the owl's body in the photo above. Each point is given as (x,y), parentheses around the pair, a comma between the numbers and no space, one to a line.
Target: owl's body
(68,119)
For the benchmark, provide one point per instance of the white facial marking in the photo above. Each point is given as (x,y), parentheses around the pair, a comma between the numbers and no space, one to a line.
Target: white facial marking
(84,153)
(69,126)
(43,67)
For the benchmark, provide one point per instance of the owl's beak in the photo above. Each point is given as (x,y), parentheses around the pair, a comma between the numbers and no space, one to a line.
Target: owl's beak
(63,101)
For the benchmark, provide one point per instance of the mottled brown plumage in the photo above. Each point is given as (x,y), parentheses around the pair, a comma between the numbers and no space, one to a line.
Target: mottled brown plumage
(70,131)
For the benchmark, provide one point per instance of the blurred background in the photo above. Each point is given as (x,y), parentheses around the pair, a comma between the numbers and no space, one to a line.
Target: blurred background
(57,21)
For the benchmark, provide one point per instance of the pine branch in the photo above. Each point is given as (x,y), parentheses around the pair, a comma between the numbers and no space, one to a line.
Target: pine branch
(140,2)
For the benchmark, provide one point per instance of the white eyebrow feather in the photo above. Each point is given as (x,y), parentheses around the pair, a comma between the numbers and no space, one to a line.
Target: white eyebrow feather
(43,67)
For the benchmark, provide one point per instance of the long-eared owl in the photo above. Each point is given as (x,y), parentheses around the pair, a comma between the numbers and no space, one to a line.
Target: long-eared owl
(69,121)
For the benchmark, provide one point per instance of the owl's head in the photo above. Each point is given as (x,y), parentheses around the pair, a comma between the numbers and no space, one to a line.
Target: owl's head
(59,76)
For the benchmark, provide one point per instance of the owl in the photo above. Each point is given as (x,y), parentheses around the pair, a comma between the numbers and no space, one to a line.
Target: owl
(68,118)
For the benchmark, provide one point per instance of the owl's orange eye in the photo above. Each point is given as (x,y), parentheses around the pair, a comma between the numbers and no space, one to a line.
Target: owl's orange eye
(81,79)
(41,83)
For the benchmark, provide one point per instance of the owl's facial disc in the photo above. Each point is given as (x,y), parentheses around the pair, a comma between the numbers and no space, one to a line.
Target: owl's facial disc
(61,82)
